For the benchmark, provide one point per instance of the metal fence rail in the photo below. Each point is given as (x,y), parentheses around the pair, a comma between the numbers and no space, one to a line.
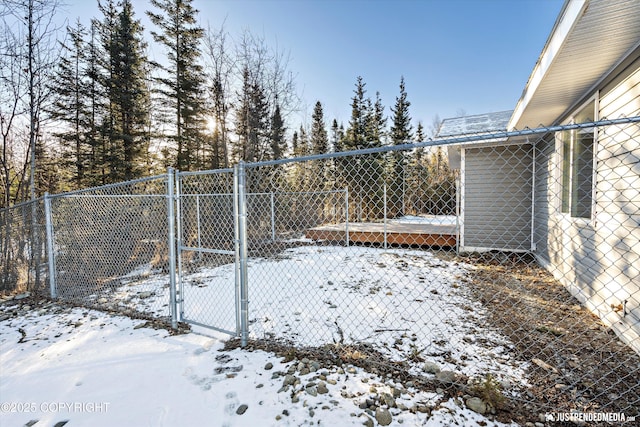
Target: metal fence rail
(509,259)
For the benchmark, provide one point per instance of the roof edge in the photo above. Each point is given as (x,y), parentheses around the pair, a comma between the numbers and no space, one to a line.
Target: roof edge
(567,19)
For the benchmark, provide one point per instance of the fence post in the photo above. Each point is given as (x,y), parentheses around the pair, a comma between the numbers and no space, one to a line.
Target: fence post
(273,217)
(198,225)
(236,246)
(179,294)
(241,251)
(172,248)
(384,190)
(50,252)
(458,200)
(404,190)
(346,214)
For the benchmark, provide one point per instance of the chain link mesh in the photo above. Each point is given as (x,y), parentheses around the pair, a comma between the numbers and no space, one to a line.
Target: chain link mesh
(518,266)
(111,247)
(542,292)
(207,249)
(22,248)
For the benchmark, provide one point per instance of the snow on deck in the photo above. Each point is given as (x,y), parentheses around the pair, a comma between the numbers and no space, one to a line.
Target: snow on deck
(409,230)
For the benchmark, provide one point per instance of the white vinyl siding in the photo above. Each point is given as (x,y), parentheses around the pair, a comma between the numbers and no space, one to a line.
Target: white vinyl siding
(598,260)
(618,200)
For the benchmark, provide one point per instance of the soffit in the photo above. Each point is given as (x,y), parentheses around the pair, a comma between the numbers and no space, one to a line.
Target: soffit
(604,33)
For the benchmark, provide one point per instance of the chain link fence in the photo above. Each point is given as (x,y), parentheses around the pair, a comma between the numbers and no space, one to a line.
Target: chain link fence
(111,247)
(504,265)
(22,248)
(514,266)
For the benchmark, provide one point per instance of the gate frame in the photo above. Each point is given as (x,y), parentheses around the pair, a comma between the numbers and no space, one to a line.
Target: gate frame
(241,302)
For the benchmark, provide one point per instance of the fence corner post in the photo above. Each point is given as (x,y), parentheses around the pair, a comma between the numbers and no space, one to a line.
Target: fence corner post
(241,251)
(50,247)
(171,222)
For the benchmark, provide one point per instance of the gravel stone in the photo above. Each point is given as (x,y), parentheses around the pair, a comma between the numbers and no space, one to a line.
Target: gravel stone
(477,405)
(322,388)
(383,417)
(289,379)
(368,421)
(431,368)
(446,377)
(388,400)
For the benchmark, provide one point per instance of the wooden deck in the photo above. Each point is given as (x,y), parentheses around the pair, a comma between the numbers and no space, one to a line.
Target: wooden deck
(397,233)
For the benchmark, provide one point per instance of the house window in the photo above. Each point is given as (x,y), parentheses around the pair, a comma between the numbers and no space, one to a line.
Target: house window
(577,166)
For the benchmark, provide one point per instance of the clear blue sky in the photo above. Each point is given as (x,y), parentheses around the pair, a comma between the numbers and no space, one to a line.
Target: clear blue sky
(471,55)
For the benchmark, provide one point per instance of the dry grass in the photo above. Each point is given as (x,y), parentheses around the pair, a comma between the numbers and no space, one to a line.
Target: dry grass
(577,363)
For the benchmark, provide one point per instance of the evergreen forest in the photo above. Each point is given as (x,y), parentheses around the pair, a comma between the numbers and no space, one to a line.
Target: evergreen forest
(84,106)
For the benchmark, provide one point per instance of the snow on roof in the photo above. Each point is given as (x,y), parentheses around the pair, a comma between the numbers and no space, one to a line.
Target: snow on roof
(480,123)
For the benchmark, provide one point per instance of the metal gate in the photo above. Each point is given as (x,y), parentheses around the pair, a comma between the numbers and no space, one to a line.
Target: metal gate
(208,250)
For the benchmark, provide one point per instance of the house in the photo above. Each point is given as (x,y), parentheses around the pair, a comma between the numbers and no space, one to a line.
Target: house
(505,224)
(570,197)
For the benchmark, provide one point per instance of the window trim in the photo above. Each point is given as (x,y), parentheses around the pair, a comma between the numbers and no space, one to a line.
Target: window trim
(560,178)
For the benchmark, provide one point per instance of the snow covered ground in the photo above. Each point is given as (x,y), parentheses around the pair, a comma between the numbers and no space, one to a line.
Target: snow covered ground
(403,301)
(91,368)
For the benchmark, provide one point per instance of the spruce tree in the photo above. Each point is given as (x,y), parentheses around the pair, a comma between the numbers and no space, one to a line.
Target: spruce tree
(294,143)
(241,150)
(97,170)
(319,145)
(303,180)
(350,169)
(337,135)
(337,140)
(376,124)
(356,135)
(278,146)
(252,122)
(401,127)
(303,142)
(278,142)
(259,123)
(297,174)
(319,138)
(400,134)
(105,78)
(373,164)
(128,94)
(183,80)
(418,157)
(69,105)
(362,174)
(417,176)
